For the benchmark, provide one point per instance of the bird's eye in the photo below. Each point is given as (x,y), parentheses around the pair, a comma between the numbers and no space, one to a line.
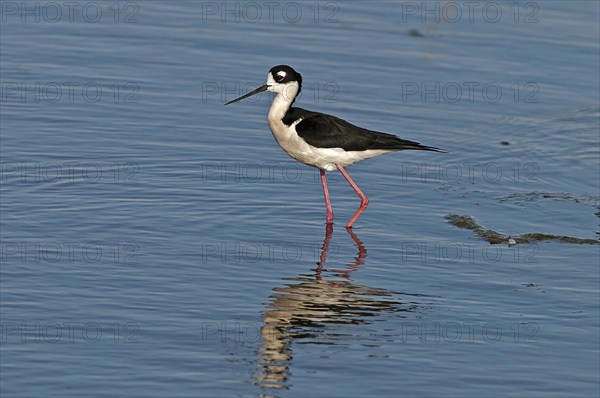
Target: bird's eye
(279,77)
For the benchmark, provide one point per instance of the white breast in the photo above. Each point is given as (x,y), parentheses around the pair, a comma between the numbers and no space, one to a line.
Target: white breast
(323,158)
(297,148)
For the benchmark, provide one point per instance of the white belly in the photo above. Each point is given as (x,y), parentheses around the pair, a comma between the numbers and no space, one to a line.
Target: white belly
(323,158)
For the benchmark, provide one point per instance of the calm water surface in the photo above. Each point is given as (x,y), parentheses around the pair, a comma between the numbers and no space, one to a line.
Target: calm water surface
(157,243)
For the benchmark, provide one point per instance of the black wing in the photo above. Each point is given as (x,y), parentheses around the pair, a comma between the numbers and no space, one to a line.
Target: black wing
(326,131)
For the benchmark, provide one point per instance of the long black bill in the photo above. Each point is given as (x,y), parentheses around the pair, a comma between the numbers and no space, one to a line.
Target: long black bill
(251,93)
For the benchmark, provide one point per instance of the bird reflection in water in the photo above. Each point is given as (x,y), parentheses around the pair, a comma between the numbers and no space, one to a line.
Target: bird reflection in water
(318,308)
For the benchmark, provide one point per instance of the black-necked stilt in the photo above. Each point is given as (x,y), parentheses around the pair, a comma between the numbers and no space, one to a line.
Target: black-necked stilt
(322,140)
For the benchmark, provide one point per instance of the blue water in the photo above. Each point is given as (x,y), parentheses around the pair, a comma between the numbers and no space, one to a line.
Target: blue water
(157,243)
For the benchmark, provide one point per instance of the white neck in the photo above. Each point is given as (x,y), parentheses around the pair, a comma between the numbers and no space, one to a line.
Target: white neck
(282,102)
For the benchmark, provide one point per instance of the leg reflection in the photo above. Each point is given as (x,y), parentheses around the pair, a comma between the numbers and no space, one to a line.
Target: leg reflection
(359,259)
(317,308)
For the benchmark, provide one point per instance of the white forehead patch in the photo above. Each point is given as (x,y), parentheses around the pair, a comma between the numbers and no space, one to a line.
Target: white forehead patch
(279,76)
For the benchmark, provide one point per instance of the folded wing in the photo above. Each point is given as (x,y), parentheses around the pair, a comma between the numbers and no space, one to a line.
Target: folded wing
(326,131)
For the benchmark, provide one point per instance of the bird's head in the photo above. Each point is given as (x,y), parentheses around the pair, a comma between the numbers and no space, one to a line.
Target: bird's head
(281,80)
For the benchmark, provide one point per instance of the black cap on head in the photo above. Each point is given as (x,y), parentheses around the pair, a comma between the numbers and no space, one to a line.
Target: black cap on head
(286,74)
(281,74)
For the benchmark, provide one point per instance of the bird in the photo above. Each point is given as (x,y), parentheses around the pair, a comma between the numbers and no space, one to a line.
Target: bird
(321,140)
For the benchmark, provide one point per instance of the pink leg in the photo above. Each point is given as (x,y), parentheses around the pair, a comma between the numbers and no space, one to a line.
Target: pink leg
(364,201)
(328,207)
